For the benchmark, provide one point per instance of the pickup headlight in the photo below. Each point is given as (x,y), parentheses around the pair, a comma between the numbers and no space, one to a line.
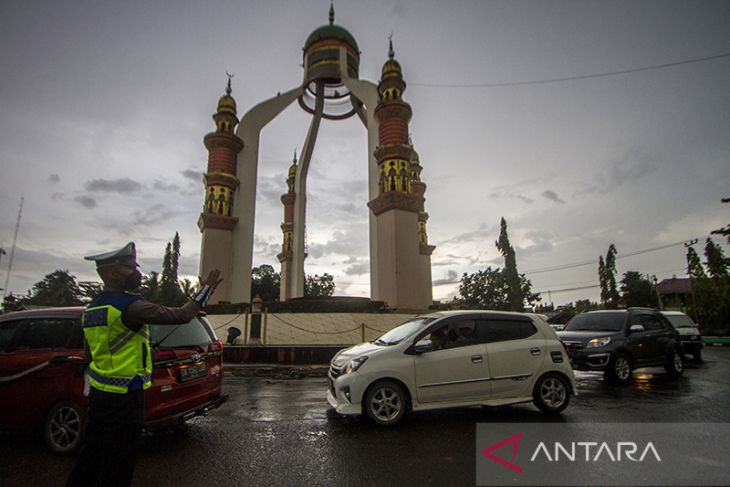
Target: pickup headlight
(598,342)
(354,364)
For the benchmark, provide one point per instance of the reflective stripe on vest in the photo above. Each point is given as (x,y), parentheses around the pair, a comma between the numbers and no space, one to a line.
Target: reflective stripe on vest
(115,381)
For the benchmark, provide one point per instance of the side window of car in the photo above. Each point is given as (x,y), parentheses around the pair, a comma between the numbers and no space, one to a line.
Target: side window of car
(7,330)
(45,333)
(651,322)
(455,333)
(500,330)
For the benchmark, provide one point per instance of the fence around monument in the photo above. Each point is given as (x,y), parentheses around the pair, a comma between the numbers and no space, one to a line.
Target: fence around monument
(311,328)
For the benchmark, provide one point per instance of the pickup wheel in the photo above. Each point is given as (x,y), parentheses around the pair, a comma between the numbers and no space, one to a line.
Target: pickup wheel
(64,428)
(551,393)
(675,364)
(619,369)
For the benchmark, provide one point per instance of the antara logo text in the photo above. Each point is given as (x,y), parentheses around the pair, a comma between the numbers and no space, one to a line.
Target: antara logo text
(575,451)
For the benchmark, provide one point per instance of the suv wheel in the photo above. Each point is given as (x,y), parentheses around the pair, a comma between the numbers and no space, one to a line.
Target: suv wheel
(551,393)
(385,403)
(697,356)
(675,364)
(64,428)
(619,369)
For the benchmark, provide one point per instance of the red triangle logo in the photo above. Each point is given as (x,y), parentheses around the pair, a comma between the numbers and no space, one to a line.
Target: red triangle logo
(514,440)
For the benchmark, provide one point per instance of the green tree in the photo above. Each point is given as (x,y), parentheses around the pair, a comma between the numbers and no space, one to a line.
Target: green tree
(59,288)
(484,289)
(170,292)
(718,287)
(700,305)
(90,290)
(637,290)
(607,278)
(265,282)
(716,263)
(515,298)
(151,287)
(319,286)
(725,231)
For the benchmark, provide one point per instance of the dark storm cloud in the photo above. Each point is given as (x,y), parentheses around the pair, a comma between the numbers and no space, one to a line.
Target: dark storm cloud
(86,201)
(268,247)
(484,232)
(358,266)
(162,186)
(504,194)
(153,215)
(541,241)
(552,196)
(452,277)
(57,196)
(121,186)
(54,178)
(192,175)
(345,242)
(626,169)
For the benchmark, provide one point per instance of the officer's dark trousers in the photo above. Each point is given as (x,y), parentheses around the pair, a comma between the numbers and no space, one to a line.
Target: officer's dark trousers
(112,438)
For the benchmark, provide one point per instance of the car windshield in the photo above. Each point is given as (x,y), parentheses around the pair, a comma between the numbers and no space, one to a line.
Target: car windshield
(680,321)
(191,334)
(597,322)
(401,332)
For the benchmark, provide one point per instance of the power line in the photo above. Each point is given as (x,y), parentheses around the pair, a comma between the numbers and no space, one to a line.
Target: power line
(571,78)
(593,262)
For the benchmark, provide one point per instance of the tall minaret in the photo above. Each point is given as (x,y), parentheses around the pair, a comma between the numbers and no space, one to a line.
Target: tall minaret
(216,222)
(424,249)
(285,257)
(402,280)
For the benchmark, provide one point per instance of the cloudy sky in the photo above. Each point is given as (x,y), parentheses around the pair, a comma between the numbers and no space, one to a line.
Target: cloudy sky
(103,107)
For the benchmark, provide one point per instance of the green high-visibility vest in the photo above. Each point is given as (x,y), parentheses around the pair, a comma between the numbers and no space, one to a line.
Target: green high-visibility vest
(119,354)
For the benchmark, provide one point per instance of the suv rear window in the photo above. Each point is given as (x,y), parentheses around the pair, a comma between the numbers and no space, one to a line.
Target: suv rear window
(195,332)
(597,322)
(680,321)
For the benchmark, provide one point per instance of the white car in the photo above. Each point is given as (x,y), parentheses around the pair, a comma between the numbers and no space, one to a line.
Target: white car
(453,359)
(689,333)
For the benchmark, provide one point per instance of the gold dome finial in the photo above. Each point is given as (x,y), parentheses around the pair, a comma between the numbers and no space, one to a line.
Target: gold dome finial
(391,53)
(228,87)
(332,12)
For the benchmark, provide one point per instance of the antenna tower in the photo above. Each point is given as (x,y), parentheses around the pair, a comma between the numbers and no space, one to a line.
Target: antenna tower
(12,249)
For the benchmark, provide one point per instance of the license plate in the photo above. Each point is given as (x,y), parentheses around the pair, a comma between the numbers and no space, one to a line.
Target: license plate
(193,371)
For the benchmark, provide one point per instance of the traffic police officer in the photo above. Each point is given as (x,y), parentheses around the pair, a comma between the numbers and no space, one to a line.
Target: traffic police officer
(115,328)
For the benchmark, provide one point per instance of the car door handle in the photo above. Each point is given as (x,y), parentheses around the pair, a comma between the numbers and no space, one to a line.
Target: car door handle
(535,351)
(477,359)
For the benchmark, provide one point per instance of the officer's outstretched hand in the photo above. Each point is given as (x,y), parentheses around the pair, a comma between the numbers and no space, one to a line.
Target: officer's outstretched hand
(213,279)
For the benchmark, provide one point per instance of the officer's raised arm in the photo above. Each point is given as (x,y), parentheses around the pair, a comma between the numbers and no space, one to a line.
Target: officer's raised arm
(145,312)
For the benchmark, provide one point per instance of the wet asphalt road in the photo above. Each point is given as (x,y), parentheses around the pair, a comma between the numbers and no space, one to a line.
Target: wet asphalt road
(282,433)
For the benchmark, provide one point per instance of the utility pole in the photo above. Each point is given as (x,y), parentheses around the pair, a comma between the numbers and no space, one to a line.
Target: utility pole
(12,249)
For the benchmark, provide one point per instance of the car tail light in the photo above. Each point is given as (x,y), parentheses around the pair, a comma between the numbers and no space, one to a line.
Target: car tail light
(163,356)
(216,346)
(564,347)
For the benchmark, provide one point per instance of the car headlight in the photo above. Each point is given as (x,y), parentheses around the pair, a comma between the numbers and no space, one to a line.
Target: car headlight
(354,364)
(598,342)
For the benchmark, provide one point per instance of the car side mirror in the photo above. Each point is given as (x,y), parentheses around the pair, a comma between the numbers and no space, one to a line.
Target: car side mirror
(424,346)
(636,328)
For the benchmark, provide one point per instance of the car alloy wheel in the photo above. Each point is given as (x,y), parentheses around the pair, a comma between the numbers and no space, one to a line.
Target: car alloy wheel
(385,403)
(622,368)
(551,393)
(675,366)
(64,427)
